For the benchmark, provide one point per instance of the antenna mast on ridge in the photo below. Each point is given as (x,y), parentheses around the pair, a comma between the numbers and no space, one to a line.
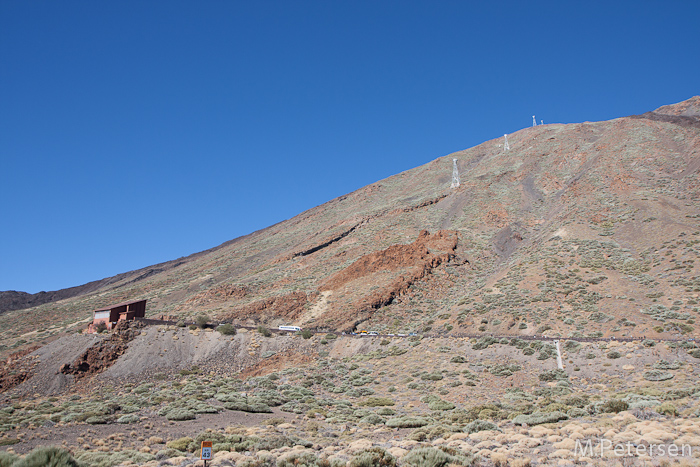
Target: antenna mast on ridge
(455,174)
(534,122)
(506,146)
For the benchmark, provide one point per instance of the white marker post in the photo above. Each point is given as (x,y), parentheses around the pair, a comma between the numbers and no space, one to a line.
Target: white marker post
(455,174)
(206,452)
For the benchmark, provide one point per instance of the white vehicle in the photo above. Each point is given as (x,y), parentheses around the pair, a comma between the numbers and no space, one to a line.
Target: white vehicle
(290,328)
(373,333)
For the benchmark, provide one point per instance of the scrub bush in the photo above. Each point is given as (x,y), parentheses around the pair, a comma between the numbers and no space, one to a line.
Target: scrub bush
(480,425)
(406,422)
(202,321)
(538,418)
(227,329)
(373,457)
(47,456)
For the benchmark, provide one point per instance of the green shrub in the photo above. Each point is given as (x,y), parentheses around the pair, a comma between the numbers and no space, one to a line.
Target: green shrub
(579,401)
(657,375)
(373,457)
(301,460)
(695,353)
(576,412)
(668,409)
(227,329)
(664,365)
(613,354)
(458,359)
(376,402)
(252,407)
(406,422)
(432,457)
(180,414)
(192,327)
(180,323)
(129,418)
(274,421)
(47,456)
(98,419)
(555,407)
(268,443)
(553,375)
(264,331)
(441,405)
(306,334)
(614,406)
(484,342)
(572,346)
(372,419)
(386,411)
(431,432)
(480,425)
(180,444)
(201,321)
(538,418)
(503,369)
(7,458)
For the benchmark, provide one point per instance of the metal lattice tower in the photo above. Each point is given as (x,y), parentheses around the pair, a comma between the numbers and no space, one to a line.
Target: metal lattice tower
(534,122)
(455,174)
(506,146)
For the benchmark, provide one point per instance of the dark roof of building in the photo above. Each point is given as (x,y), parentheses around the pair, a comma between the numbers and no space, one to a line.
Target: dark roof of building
(117,305)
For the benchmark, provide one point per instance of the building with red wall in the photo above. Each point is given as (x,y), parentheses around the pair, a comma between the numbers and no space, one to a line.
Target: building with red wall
(111,315)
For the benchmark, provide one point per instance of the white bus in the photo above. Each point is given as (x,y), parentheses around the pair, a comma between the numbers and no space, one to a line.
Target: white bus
(290,328)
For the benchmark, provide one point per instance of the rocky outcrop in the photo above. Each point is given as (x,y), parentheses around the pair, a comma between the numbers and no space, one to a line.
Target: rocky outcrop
(426,253)
(376,279)
(102,355)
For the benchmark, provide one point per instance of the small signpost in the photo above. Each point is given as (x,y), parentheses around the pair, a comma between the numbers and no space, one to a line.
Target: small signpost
(206,452)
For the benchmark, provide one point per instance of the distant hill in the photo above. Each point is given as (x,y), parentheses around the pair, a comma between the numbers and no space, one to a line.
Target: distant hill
(588,229)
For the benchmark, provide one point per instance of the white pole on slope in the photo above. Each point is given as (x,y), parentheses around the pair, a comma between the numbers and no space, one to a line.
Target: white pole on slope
(455,174)
(559,363)
(506,146)
(534,122)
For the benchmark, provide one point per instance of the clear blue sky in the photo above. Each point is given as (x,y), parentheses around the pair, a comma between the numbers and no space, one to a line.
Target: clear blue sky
(135,132)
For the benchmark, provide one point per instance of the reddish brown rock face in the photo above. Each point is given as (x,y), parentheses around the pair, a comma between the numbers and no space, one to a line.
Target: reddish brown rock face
(376,279)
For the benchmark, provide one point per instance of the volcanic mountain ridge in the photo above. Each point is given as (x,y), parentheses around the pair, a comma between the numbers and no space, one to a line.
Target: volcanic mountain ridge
(588,229)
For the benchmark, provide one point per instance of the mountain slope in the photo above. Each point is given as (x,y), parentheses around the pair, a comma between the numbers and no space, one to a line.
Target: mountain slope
(578,230)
